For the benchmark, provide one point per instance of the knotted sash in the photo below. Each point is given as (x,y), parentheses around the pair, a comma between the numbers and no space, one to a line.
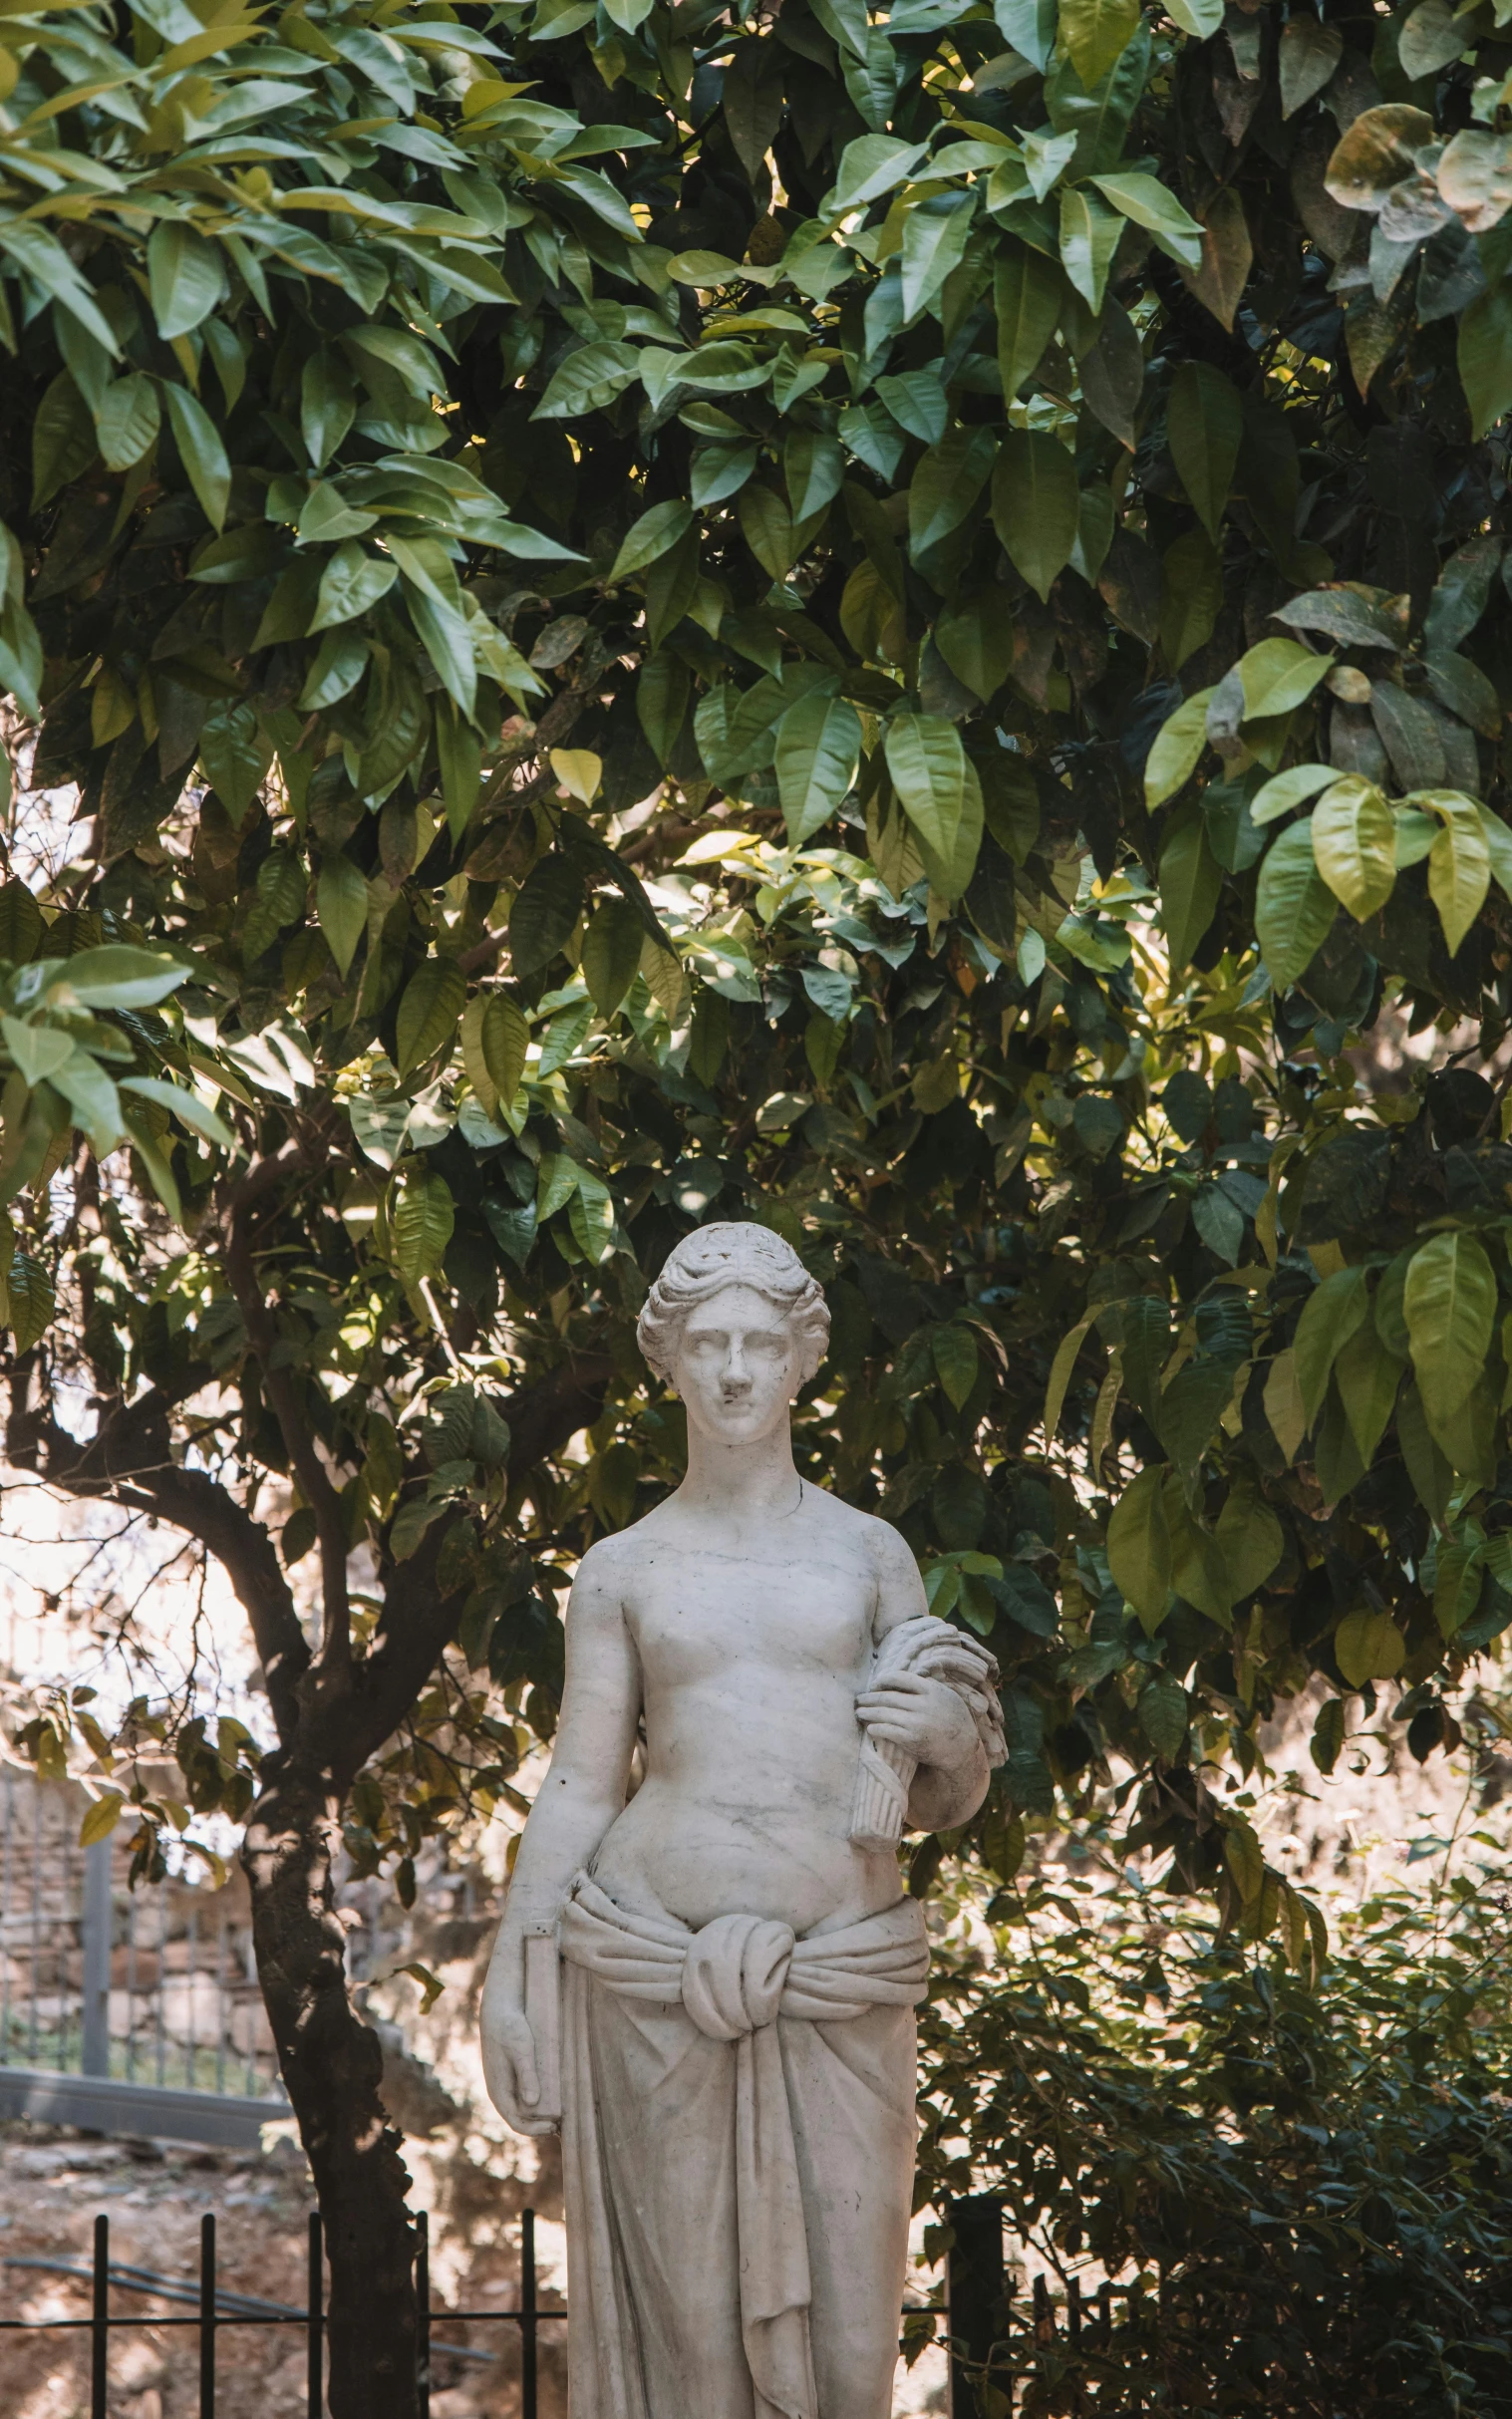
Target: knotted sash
(734,1978)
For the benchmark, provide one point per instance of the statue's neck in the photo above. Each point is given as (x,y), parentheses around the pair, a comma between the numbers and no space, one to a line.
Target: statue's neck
(741,1481)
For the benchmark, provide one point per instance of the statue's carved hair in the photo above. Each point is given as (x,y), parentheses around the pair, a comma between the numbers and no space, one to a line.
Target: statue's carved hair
(731,1253)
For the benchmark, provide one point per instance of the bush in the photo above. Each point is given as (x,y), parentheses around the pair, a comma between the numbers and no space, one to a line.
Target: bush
(1304,2197)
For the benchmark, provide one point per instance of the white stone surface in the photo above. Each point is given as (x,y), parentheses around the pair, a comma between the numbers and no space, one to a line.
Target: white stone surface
(737,2037)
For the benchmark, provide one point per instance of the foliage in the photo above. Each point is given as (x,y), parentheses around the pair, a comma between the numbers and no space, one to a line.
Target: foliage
(1302,2193)
(895,625)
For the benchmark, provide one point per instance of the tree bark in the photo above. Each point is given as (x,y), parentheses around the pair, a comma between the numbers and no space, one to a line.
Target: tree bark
(332,2065)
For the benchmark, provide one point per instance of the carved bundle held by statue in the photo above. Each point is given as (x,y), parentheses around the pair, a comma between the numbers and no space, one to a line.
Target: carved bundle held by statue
(934,1651)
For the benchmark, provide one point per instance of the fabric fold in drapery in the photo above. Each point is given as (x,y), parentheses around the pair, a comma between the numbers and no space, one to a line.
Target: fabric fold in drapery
(738,1981)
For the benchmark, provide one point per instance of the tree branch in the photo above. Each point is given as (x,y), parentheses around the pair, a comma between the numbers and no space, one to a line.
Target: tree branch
(129,1461)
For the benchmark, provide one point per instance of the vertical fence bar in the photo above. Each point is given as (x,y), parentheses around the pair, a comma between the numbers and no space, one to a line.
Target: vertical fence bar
(191,2051)
(95,2057)
(207,2316)
(163,1977)
(974,2292)
(100,2330)
(423,2314)
(31,2034)
(62,1930)
(130,1986)
(6,1845)
(220,2005)
(314,2323)
(527,2315)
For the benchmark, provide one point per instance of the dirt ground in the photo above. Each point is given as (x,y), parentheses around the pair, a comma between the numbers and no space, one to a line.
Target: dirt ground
(53,2185)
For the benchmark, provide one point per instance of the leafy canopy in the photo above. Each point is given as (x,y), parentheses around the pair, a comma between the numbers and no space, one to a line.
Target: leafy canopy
(894,624)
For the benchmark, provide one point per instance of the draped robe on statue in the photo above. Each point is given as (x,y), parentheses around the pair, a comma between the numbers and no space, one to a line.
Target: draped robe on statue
(738,2141)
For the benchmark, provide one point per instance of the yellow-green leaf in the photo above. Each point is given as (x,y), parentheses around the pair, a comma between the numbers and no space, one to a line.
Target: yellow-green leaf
(1140,1542)
(1178,745)
(1368,1645)
(1449,1303)
(429,1010)
(1293,906)
(1355,844)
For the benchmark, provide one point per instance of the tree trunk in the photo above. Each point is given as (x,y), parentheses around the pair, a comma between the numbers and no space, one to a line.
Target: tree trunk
(332,2066)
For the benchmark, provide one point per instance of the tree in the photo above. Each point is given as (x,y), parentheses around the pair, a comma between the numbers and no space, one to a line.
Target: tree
(828,644)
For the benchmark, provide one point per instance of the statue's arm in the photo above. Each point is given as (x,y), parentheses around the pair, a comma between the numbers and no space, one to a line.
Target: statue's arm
(582,1793)
(924,1716)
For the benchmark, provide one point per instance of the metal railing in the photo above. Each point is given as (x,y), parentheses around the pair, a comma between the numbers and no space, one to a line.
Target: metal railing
(215,2309)
(134,1993)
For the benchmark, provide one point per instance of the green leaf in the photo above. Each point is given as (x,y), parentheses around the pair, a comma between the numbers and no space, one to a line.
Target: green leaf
(588,381)
(545,913)
(869,167)
(327,408)
(429,1012)
(1250,1542)
(128,420)
(1191,595)
(1191,881)
(64,441)
(341,903)
(650,537)
(1293,906)
(1279,674)
(935,233)
(1139,1546)
(1330,1317)
(1485,359)
(1205,426)
(1151,206)
(1245,1858)
(1367,1377)
(183,1105)
(1037,505)
(420,1224)
(1286,790)
(341,659)
(200,450)
(1355,844)
(976,639)
(1089,236)
(101,1818)
(30,1300)
(1377,149)
(818,747)
(1498,849)
(1451,1307)
(37,1051)
(813,469)
(351,582)
(1459,862)
(185,277)
(117,976)
(956,1362)
(1368,1645)
(1163,1713)
(1095,33)
(661,704)
(459,756)
(1027,302)
(235,752)
(945,487)
(932,781)
(506,1041)
(1178,745)
(612,952)
(1327,1742)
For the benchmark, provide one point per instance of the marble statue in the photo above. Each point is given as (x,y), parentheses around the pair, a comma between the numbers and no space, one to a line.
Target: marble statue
(713,1975)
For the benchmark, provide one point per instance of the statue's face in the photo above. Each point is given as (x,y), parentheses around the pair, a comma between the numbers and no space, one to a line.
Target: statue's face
(738,1366)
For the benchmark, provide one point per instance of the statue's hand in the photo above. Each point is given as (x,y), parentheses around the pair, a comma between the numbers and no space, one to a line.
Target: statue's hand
(510,2069)
(923,1716)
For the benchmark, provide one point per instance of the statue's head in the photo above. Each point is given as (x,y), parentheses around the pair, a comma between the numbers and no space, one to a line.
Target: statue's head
(737,1326)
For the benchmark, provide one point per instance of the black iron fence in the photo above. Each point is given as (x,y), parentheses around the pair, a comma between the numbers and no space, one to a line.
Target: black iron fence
(215,2309)
(995,2334)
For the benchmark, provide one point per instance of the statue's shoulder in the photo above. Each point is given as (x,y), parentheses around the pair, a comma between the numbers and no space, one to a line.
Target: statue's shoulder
(877,1539)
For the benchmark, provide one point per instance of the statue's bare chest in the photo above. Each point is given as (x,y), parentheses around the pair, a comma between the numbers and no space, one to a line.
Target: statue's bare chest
(695,1612)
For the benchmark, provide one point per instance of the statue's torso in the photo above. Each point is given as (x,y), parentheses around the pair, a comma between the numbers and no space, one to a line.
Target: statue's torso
(751,1662)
